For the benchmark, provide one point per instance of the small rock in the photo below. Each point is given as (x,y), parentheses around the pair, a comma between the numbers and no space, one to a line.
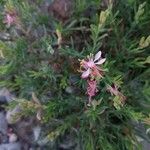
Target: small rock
(73,79)
(25,130)
(3,100)
(36,132)
(3,123)
(69,90)
(145,145)
(5,96)
(12,138)
(11,146)
(4,36)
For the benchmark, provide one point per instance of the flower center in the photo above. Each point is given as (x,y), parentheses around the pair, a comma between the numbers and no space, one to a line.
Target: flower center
(90,64)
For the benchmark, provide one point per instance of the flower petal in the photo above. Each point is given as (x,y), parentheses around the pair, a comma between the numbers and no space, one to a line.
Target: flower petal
(98,56)
(101,61)
(85,74)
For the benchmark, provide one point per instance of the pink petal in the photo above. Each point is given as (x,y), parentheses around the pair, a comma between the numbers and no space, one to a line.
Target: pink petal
(90,63)
(9,19)
(92,88)
(97,56)
(85,74)
(101,61)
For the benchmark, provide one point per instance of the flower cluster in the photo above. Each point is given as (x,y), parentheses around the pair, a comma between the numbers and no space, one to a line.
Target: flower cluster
(10,18)
(90,68)
(91,71)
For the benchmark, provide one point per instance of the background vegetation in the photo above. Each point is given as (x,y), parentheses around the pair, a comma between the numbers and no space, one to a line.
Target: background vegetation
(40,56)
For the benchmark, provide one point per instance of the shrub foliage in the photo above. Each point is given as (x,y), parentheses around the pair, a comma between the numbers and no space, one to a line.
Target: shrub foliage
(40,57)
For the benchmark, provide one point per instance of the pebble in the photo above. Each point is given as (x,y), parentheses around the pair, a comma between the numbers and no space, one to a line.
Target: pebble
(73,79)
(12,138)
(3,100)
(69,90)
(3,123)
(36,132)
(5,36)
(5,96)
(11,146)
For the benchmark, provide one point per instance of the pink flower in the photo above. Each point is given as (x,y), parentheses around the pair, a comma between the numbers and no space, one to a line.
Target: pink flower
(91,89)
(9,19)
(90,66)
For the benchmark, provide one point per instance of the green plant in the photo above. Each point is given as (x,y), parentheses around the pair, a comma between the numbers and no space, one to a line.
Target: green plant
(42,56)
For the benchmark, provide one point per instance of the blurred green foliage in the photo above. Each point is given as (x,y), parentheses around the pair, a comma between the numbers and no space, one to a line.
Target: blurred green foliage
(30,61)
